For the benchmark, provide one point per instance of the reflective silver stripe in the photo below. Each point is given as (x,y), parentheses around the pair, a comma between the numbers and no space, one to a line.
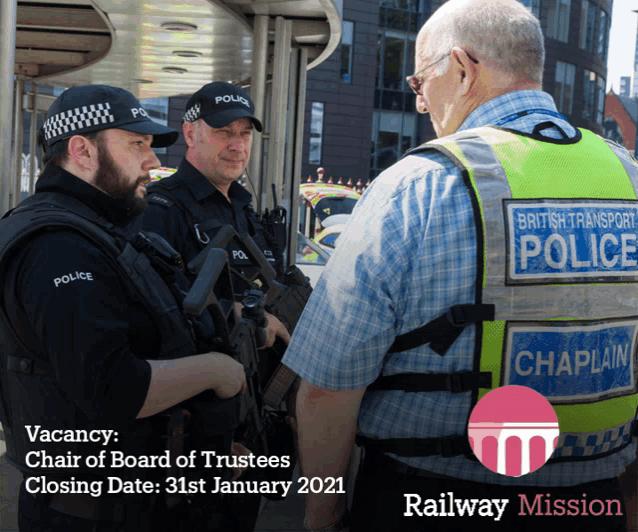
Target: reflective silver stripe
(493,188)
(529,302)
(592,443)
(630,165)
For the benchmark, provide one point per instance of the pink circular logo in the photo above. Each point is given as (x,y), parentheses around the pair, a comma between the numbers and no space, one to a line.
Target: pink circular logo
(513,430)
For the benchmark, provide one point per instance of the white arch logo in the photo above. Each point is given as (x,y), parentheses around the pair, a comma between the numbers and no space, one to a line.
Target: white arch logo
(513,430)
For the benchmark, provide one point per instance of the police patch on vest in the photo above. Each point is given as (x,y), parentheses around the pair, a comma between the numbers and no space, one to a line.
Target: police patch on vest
(238,257)
(574,362)
(571,241)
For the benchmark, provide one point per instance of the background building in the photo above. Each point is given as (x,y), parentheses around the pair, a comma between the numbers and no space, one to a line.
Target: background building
(621,117)
(360,116)
(360,113)
(625,86)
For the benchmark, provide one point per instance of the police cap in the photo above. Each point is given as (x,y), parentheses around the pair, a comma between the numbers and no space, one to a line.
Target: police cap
(219,104)
(90,108)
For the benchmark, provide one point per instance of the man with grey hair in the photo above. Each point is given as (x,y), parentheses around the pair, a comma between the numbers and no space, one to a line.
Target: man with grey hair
(483,259)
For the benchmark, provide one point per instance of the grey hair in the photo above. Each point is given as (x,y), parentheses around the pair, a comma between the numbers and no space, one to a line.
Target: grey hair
(502,33)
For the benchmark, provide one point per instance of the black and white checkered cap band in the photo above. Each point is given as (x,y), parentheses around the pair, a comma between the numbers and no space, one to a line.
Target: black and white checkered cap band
(193,113)
(75,120)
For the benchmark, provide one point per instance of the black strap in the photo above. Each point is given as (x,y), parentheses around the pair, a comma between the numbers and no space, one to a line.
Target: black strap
(434,382)
(548,125)
(412,447)
(443,331)
(211,223)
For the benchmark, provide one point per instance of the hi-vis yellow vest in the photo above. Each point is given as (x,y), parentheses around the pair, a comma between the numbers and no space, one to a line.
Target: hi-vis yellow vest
(557,227)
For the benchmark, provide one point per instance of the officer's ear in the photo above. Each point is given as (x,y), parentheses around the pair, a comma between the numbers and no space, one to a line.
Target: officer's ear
(82,153)
(188,128)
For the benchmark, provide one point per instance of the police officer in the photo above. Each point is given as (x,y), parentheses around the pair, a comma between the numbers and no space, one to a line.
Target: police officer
(188,207)
(94,355)
(501,244)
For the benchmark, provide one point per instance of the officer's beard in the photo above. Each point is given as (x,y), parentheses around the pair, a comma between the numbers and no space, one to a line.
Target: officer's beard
(111,179)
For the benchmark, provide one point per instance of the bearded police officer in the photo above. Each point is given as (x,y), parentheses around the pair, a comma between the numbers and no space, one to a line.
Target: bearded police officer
(93,339)
(502,253)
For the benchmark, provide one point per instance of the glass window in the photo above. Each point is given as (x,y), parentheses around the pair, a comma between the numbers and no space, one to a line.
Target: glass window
(589,95)
(603,35)
(402,15)
(392,100)
(601,100)
(590,34)
(377,79)
(157,110)
(316,132)
(558,19)
(310,253)
(388,152)
(394,127)
(393,133)
(564,86)
(331,205)
(347,41)
(393,65)
(330,240)
(582,34)
(397,19)
(534,6)
(588,38)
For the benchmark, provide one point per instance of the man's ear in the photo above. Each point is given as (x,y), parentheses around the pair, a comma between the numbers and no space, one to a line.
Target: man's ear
(466,69)
(83,153)
(188,128)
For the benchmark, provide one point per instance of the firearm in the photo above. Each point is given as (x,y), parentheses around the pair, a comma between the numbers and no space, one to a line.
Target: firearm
(239,337)
(212,289)
(275,221)
(204,422)
(284,300)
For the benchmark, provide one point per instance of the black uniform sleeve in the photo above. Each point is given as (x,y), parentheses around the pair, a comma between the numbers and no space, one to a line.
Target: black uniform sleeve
(78,310)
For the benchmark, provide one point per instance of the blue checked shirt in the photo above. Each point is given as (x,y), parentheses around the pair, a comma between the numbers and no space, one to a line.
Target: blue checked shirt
(408,255)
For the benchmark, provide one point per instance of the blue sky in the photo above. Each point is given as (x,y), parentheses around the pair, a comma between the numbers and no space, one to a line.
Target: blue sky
(622,42)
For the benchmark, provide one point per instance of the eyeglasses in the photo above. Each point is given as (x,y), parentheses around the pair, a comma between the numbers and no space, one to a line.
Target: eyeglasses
(415,84)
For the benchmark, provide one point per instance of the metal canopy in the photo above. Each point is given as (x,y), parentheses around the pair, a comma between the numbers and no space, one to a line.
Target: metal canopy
(157,48)
(59,37)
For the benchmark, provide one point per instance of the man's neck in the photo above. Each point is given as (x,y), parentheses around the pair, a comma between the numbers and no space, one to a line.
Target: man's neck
(491,92)
(222,187)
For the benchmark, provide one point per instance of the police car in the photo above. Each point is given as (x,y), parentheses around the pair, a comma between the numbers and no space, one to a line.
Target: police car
(311,258)
(162,171)
(320,201)
(334,226)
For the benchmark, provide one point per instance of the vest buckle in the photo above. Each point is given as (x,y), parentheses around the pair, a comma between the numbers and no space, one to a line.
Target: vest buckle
(455,383)
(456,316)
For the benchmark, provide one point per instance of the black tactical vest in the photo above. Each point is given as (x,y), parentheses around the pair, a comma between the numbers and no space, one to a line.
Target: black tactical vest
(204,226)
(25,371)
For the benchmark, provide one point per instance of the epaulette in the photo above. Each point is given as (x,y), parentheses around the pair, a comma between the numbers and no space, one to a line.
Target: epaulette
(159,200)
